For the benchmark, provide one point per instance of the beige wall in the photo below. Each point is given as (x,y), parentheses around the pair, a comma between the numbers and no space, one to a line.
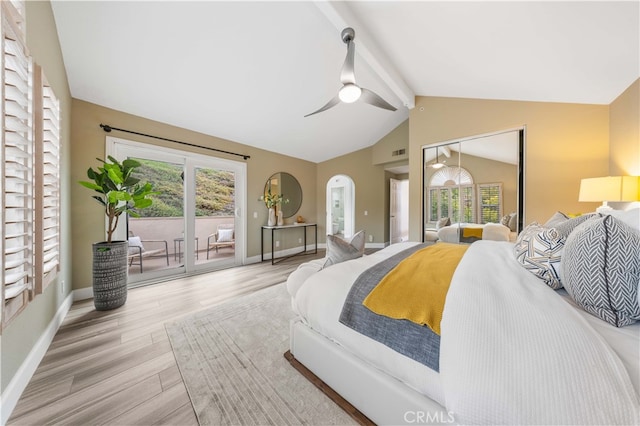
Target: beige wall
(395,140)
(624,142)
(21,335)
(564,143)
(88,142)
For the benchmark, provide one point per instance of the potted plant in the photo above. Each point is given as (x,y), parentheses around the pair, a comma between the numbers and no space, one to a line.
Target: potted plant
(118,192)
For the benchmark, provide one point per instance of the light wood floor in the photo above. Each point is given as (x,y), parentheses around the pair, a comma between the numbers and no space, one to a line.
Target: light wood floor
(117,367)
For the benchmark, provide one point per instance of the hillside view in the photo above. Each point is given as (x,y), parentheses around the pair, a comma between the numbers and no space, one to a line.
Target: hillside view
(215,190)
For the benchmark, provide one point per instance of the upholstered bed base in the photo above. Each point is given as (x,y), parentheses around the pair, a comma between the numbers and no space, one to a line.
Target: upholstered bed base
(380,397)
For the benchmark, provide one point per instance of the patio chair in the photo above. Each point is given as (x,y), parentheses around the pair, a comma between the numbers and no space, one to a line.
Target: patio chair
(137,251)
(224,237)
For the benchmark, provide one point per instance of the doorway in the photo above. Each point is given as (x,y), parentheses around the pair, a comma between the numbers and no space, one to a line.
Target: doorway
(398,210)
(195,223)
(341,206)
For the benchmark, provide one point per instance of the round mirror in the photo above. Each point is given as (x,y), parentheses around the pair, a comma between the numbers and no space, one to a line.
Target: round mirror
(284,184)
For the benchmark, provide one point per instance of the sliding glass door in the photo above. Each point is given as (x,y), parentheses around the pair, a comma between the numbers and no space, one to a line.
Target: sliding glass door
(194,224)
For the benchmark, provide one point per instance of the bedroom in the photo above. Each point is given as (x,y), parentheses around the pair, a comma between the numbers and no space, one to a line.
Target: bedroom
(565,143)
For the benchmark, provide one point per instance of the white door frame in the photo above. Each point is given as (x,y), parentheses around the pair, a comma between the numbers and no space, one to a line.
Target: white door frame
(122,148)
(342,181)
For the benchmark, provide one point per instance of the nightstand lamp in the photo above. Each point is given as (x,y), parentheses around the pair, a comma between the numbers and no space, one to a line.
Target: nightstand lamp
(609,188)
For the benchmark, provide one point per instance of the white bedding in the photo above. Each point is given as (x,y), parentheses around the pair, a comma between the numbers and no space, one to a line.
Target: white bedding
(514,352)
(319,303)
(318,300)
(491,231)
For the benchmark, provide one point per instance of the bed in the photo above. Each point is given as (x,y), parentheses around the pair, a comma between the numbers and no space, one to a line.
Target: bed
(471,232)
(512,350)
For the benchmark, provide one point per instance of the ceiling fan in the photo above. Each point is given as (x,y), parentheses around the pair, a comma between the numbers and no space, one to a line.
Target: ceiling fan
(350,91)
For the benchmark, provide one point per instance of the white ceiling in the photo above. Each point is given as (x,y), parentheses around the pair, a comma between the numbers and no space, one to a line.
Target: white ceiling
(250,71)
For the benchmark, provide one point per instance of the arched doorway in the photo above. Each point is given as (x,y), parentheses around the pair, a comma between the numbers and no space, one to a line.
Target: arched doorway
(341,206)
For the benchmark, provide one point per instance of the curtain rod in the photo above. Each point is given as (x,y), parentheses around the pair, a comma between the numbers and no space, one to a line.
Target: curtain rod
(108,129)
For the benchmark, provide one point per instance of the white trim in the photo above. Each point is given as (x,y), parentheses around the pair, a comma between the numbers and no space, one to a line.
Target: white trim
(83,294)
(470,138)
(21,379)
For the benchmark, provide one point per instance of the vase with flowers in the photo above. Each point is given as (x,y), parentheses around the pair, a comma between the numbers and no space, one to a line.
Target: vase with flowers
(272,201)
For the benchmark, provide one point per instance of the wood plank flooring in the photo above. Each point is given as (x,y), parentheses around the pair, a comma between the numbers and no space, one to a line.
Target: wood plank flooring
(117,367)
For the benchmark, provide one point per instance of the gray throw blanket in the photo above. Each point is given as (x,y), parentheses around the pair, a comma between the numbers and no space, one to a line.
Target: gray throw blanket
(417,342)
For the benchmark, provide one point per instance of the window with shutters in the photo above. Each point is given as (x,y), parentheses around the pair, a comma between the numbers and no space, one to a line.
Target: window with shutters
(489,202)
(16,183)
(451,194)
(47,182)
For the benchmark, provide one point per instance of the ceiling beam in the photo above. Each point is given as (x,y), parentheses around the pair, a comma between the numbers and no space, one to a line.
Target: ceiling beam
(341,17)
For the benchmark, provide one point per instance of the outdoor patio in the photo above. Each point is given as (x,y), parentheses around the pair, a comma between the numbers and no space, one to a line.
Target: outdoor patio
(167,232)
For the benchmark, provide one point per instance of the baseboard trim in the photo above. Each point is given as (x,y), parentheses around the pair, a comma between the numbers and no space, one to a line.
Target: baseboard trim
(83,294)
(19,382)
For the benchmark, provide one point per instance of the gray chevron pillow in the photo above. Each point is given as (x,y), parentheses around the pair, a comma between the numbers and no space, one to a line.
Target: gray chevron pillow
(601,269)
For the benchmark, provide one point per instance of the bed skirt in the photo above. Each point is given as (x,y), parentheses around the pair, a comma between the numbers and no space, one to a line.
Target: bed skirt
(380,397)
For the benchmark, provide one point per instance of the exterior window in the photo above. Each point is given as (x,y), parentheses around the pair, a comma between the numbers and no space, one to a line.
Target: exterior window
(490,202)
(451,194)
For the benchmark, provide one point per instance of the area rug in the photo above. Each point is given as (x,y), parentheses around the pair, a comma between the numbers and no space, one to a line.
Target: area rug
(231,360)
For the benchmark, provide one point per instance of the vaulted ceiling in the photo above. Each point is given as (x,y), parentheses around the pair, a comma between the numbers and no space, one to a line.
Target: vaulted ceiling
(250,71)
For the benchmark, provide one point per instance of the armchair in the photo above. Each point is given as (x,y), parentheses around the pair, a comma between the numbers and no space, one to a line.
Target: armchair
(223,237)
(137,251)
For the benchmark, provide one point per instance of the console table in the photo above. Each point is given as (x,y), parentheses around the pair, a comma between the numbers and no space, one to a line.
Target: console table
(273,230)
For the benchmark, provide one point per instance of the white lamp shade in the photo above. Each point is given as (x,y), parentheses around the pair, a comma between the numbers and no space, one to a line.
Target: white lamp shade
(609,188)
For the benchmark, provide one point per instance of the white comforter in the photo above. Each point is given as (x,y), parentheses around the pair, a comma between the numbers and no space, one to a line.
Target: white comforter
(514,352)
(318,299)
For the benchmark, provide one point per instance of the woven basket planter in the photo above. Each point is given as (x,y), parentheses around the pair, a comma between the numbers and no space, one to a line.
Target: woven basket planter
(110,274)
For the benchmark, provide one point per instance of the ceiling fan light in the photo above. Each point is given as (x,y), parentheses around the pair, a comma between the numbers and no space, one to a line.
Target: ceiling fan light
(437,165)
(349,93)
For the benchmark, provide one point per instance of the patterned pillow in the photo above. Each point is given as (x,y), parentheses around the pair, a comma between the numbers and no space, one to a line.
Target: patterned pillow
(339,250)
(539,249)
(602,269)
(539,254)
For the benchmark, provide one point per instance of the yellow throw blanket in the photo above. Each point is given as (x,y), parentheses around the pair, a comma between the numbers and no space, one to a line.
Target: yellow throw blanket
(472,232)
(416,289)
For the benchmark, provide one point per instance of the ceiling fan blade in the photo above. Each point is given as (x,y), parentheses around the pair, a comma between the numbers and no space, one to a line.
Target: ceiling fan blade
(373,99)
(347,75)
(333,102)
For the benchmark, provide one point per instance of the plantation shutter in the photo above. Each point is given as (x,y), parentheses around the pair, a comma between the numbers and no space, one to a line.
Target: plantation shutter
(47,181)
(17,172)
(490,202)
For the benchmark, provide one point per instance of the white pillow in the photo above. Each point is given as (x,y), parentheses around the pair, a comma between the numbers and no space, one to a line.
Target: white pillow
(225,235)
(135,242)
(495,232)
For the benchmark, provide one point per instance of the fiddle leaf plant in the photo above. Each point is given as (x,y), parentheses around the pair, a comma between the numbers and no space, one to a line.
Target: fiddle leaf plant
(120,192)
